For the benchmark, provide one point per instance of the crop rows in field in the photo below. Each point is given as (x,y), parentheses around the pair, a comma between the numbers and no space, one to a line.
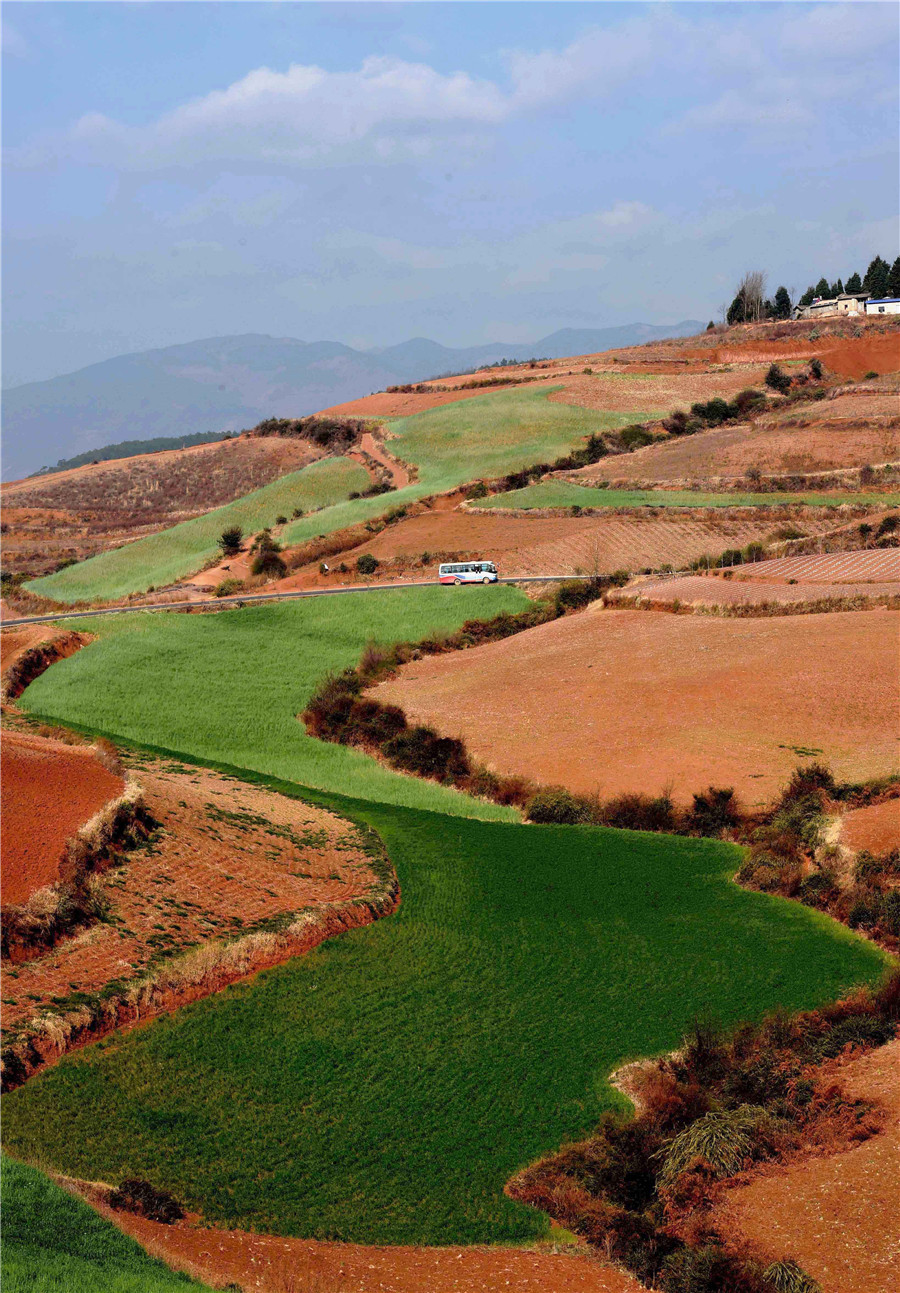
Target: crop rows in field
(620,543)
(877,565)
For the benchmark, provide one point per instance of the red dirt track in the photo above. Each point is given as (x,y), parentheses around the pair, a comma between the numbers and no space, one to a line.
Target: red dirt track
(49,791)
(626,700)
(270,1264)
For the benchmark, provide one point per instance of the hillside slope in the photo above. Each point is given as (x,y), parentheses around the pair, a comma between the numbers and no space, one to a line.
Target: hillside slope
(226,383)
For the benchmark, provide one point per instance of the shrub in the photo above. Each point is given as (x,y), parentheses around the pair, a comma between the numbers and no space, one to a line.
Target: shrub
(856,1030)
(230,541)
(228,587)
(787,1277)
(777,379)
(269,562)
(869,375)
(635,437)
(637,812)
(557,806)
(816,369)
(714,810)
(367,564)
(421,750)
(144,1199)
(281,520)
(478,490)
(297,513)
(713,412)
(724,1139)
(867,475)
(748,401)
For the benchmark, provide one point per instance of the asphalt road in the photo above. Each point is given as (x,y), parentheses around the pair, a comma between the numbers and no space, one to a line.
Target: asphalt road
(245,599)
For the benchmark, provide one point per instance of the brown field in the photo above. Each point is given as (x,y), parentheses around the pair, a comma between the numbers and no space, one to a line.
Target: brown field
(871,565)
(49,791)
(226,856)
(877,350)
(271,1264)
(615,701)
(77,513)
(701,591)
(875,829)
(535,545)
(633,391)
(837,1216)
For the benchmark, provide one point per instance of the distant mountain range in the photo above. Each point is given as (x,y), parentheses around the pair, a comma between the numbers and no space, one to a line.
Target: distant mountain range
(228,383)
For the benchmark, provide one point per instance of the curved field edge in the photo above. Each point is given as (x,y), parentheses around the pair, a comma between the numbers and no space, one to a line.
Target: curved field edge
(385,1087)
(230,685)
(53,1240)
(450,445)
(182,549)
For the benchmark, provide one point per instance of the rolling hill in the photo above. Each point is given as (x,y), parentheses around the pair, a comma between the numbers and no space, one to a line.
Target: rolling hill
(227,383)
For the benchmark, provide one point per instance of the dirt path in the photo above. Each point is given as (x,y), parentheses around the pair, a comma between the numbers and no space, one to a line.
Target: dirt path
(270,1264)
(626,700)
(49,791)
(398,474)
(837,1216)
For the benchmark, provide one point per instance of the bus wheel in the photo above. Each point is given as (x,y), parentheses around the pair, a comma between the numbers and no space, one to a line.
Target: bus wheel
(457,581)
(486,580)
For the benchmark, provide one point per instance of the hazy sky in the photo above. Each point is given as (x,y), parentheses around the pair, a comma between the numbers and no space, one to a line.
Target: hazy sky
(468,171)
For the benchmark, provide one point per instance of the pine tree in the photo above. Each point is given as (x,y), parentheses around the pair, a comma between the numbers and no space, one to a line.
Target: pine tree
(854,283)
(782,304)
(822,289)
(808,296)
(837,288)
(893,285)
(876,279)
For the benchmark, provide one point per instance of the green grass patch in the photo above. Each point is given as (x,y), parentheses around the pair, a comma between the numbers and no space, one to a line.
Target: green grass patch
(384,1087)
(162,558)
(54,1242)
(560,493)
(229,686)
(486,436)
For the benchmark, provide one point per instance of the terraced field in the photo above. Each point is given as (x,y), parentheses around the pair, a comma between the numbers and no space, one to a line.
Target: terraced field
(877,565)
(565,493)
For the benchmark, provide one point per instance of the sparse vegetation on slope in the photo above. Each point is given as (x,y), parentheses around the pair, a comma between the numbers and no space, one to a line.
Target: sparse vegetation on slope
(161,558)
(53,1241)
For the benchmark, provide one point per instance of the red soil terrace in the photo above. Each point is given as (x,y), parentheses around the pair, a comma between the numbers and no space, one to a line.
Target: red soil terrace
(625,700)
(837,1216)
(269,1264)
(49,791)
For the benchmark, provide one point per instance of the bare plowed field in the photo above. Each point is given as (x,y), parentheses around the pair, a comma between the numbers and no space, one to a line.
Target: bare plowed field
(49,791)
(270,1264)
(628,701)
(227,856)
(636,391)
(709,591)
(876,565)
(837,1216)
(876,828)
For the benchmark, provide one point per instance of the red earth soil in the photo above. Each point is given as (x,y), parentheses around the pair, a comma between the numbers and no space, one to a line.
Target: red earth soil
(625,700)
(873,565)
(228,855)
(875,829)
(14,641)
(838,1215)
(49,791)
(846,356)
(702,590)
(269,1264)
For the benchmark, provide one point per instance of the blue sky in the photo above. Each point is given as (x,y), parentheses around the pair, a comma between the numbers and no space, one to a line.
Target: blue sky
(468,171)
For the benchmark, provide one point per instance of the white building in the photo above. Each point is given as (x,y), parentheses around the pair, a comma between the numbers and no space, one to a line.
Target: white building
(825,307)
(883,305)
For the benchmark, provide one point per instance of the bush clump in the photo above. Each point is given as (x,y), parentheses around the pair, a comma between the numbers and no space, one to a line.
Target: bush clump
(556,806)
(777,379)
(367,564)
(147,1201)
(231,540)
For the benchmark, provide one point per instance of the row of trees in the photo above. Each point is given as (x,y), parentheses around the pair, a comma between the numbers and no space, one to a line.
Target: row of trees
(751,304)
(880,279)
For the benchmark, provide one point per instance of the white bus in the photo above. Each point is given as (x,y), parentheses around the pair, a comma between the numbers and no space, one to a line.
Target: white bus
(467,572)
